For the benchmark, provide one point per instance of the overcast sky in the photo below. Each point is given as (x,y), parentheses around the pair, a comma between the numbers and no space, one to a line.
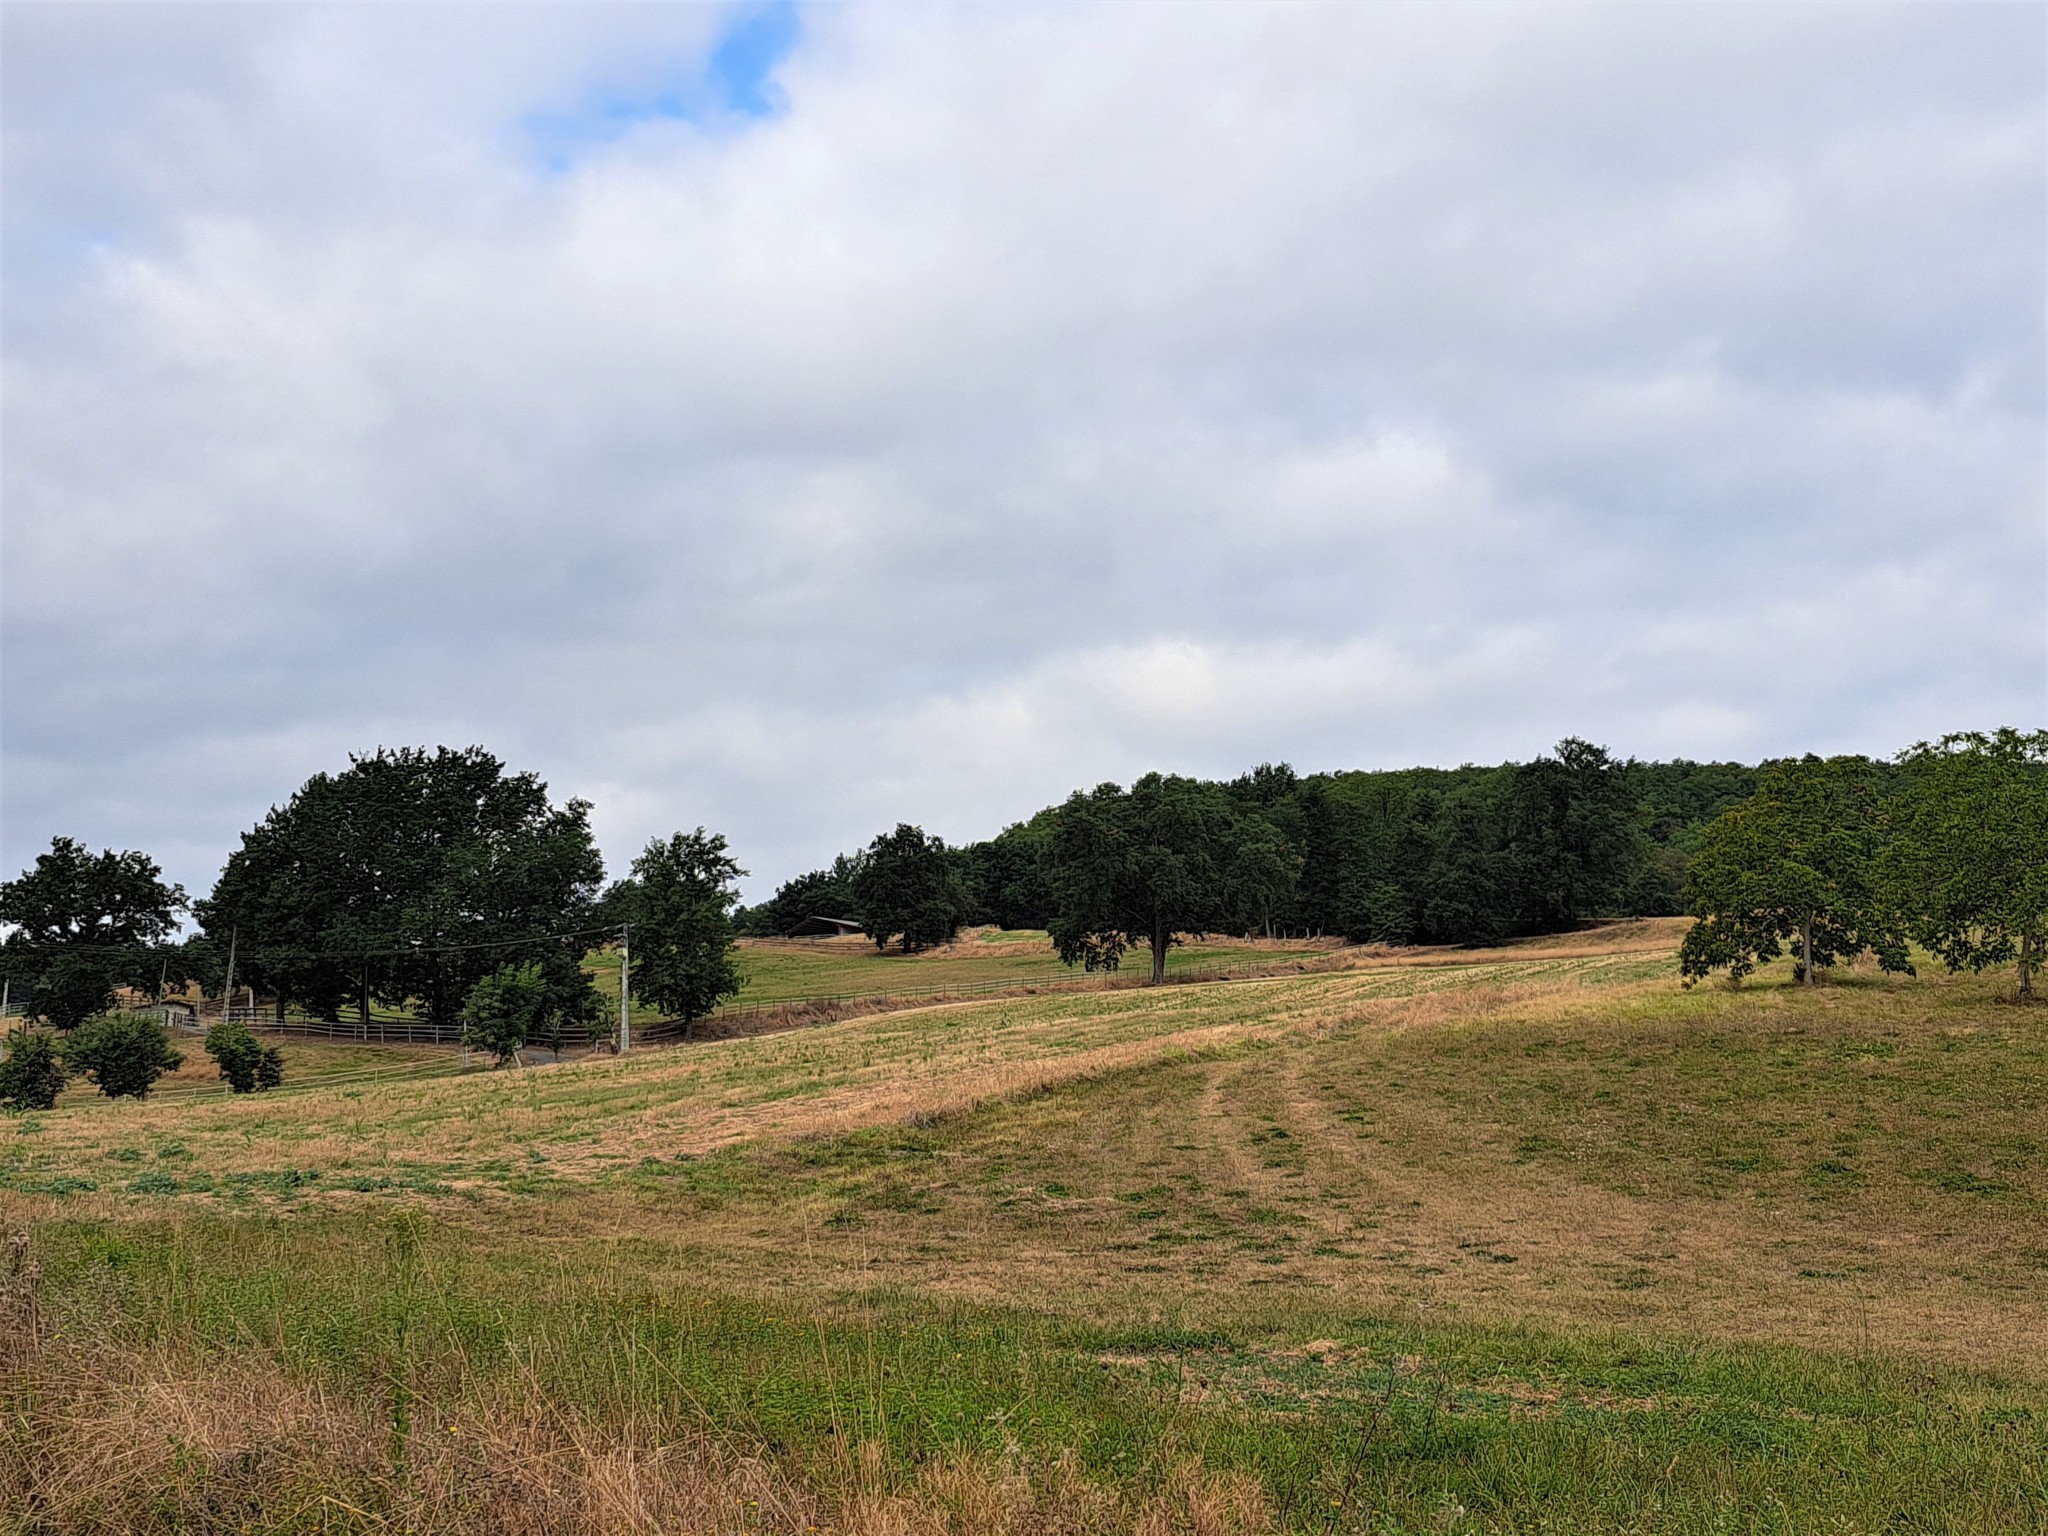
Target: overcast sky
(797,421)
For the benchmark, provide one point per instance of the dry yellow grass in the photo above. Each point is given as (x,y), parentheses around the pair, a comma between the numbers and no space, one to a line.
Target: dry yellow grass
(581,1116)
(1786,1167)
(1268,1218)
(1478,1138)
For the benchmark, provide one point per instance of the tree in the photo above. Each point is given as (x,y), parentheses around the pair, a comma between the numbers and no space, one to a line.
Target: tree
(124,1053)
(680,901)
(503,1008)
(1967,867)
(408,878)
(83,925)
(1791,863)
(909,884)
(1144,866)
(1573,836)
(244,1061)
(1468,888)
(32,1073)
(1007,877)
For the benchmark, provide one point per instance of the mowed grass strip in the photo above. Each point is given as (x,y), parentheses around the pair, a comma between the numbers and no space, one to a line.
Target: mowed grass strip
(576,1119)
(1860,1167)
(981,960)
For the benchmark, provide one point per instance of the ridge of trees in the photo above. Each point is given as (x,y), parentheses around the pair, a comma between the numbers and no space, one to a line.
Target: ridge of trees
(1466,855)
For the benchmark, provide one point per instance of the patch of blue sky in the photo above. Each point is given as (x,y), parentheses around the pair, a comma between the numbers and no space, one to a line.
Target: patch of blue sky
(725,89)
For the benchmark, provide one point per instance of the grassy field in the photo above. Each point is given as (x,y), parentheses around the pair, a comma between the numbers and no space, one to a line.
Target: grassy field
(982,959)
(1535,1241)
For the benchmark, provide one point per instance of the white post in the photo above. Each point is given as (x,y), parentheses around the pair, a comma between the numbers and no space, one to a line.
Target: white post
(625,990)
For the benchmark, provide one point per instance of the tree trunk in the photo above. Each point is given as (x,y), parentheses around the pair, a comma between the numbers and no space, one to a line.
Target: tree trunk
(2026,967)
(1159,938)
(1806,953)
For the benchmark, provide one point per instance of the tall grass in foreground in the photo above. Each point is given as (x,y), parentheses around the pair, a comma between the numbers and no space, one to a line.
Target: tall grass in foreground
(337,1374)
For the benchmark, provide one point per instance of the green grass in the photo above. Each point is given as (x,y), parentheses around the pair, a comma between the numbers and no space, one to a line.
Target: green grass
(1535,1245)
(1381,1425)
(786,971)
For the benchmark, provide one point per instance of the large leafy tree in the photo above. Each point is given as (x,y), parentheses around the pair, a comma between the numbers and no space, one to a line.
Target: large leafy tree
(679,901)
(1967,866)
(84,924)
(1791,864)
(1167,857)
(909,883)
(408,878)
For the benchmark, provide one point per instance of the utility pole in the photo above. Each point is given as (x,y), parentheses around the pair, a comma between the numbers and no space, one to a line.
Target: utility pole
(227,993)
(625,990)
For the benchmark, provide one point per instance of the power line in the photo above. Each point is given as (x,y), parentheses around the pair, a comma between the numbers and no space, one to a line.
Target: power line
(417,949)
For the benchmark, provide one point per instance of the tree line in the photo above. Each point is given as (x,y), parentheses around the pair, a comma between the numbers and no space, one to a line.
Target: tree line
(442,882)
(1468,855)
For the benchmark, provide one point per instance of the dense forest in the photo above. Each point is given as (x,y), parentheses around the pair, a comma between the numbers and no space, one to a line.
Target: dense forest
(1465,855)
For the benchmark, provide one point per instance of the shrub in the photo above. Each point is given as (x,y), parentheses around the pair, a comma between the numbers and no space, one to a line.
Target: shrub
(237,1053)
(31,1076)
(124,1053)
(502,1009)
(248,1065)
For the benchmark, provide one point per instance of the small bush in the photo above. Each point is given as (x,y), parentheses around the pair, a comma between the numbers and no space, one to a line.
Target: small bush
(246,1063)
(32,1075)
(123,1053)
(502,1009)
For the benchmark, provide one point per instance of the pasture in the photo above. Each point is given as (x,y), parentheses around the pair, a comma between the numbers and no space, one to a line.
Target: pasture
(980,960)
(1522,1240)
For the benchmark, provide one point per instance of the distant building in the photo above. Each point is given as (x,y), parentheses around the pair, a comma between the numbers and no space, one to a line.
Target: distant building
(824,928)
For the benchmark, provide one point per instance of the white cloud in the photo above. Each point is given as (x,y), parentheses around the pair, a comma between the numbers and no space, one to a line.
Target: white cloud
(1044,394)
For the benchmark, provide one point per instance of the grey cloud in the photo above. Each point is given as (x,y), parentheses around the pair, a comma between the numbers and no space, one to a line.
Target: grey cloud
(1045,395)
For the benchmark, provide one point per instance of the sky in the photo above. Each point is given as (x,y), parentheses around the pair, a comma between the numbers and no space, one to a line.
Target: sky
(797,420)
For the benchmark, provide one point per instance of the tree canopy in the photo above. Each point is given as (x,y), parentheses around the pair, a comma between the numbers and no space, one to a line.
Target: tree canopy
(503,1009)
(85,924)
(1169,856)
(1967,867)
(246,1063)
(1791,863)
(909,885)
(32,1072)
(679,902)
(408,878)
(124,1053)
